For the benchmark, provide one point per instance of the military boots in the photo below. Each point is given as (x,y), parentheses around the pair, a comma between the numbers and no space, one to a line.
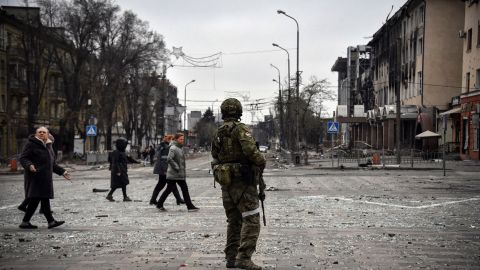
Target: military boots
(230,263)
(247,264)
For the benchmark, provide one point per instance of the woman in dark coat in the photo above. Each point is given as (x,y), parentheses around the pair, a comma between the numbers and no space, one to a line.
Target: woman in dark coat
(118,166)
(38,160)
(23,206)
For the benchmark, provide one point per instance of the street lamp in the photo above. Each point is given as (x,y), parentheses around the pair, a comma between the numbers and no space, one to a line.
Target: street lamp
(289,108)
(185,113)
(288,61)
(280,105)
(297,75)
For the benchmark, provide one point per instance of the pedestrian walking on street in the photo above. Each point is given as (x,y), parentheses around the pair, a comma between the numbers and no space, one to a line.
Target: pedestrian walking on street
(160,168)
(119,170)
(145,155)
(235,158)
(23,206)
(38,160)
(151,153)
(176,173)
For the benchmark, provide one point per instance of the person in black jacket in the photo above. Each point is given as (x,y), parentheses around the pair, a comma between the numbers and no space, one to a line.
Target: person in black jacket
(118,166)
(23,206)
(151,153)
(160,168)
(38,160)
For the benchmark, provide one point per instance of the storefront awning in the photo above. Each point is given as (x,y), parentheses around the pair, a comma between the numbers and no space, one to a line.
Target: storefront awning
(427,134)
(454,110)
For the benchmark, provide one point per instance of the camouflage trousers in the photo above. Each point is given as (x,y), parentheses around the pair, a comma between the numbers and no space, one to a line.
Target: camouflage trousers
(241,205)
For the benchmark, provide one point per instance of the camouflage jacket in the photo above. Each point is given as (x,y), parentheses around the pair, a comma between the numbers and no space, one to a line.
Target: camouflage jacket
(233,143)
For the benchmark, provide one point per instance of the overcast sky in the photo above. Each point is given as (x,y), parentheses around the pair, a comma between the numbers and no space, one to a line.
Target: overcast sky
(243,32)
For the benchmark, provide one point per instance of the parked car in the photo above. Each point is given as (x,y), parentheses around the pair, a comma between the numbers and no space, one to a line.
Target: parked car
(263,148)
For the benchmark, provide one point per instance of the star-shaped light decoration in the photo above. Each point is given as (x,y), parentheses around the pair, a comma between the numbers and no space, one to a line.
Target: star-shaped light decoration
(177,52)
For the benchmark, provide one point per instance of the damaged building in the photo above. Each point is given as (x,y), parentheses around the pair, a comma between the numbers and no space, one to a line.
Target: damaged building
(417,57)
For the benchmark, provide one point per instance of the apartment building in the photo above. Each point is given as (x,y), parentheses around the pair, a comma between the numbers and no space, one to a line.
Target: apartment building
(354,90)
(416,54)
(469,109)
(19,76)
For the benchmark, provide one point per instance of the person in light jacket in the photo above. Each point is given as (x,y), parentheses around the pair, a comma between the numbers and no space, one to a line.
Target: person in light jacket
(176,173)
(160,168)
(38,160)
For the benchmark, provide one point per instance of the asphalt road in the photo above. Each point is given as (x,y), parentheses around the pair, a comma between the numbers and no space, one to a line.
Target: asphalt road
(316,219)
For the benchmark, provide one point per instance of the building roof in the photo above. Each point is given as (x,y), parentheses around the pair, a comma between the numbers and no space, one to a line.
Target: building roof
(340,65)
(391,20)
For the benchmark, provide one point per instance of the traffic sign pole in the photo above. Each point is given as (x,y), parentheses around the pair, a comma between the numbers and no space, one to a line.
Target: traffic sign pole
(332,149)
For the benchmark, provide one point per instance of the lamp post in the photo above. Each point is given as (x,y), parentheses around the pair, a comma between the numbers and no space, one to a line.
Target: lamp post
(160,109)
(289,94)
(288,62)
(185,113)
(297,83)
(280,106)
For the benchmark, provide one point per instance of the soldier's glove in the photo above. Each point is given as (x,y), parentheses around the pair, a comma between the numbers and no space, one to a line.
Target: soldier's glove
(261,196)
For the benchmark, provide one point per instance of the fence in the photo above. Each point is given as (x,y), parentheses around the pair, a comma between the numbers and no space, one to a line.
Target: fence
(366,156)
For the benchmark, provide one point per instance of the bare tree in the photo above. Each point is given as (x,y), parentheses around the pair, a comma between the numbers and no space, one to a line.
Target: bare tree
(79,22)
(126,44)
(205,128)
(312,101)
(35,44)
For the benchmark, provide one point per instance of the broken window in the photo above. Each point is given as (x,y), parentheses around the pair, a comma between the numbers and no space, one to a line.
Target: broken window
(469,40)
(477,79)
(3,104)
(420,14)
(467,82)
(478,34)
(420,45)
(420,83)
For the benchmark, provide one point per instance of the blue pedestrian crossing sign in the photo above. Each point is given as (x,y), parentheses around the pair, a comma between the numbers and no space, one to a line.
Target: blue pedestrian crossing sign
(91,130)
(332,127)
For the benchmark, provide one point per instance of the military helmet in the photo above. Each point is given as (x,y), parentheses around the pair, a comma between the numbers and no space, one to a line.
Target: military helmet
(231,107)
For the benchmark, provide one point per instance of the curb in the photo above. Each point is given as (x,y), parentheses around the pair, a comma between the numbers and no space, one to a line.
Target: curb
(382,168)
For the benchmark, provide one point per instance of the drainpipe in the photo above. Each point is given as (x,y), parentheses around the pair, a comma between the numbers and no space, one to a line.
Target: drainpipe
(423,49)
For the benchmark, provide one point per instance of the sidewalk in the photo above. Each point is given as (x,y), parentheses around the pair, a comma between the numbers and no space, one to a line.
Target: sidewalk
(326,164)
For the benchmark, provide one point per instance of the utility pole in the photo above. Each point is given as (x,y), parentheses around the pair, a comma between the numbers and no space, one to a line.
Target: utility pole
(289,134)
(398,72)
(395,65)
(296,143)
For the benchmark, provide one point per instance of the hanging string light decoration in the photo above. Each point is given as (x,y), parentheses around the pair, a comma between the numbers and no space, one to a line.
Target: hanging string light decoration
(211,61)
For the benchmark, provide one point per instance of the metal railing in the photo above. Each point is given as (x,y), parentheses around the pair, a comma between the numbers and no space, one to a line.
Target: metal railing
(387,156)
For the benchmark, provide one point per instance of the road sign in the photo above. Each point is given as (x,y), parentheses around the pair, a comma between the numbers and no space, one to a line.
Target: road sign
(91,130)
(332,127)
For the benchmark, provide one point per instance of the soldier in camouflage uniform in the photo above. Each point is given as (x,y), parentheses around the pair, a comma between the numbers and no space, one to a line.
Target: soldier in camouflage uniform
(235,161)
